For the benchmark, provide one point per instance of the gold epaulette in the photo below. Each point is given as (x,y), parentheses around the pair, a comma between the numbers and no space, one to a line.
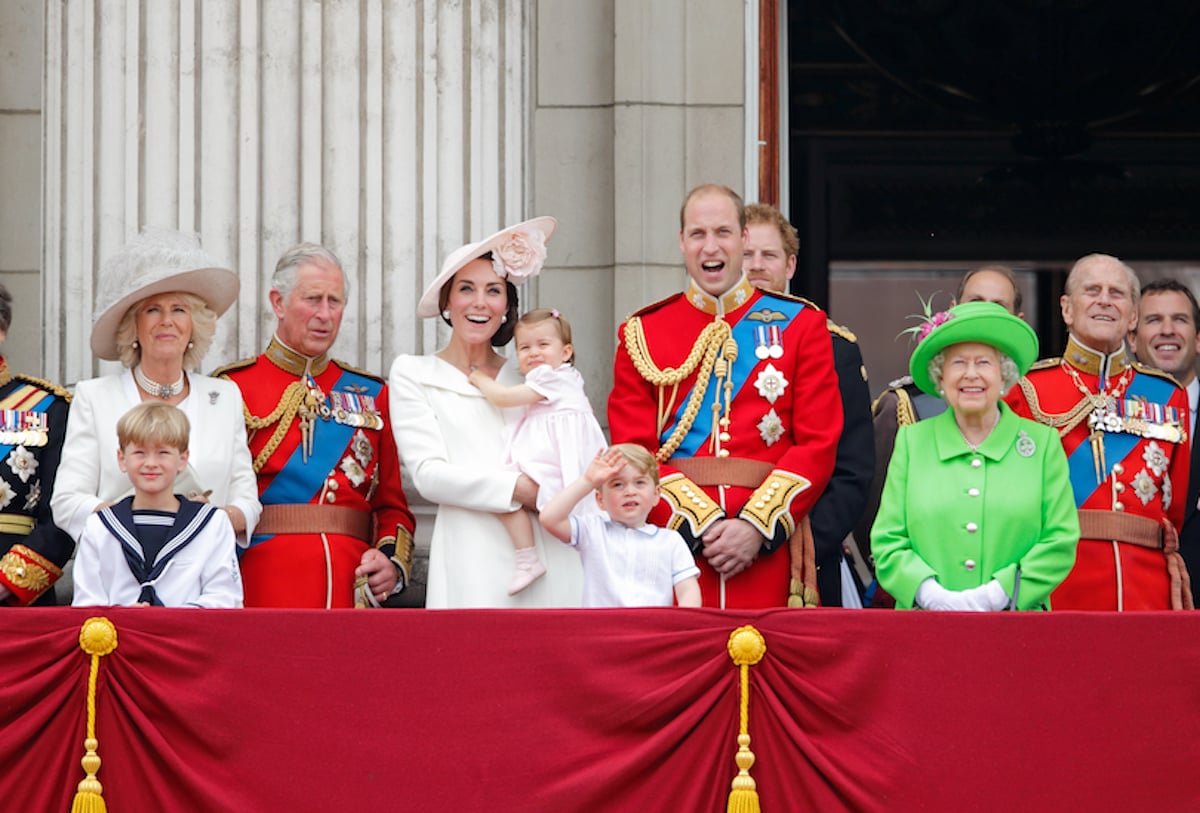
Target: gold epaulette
(240,364)
(792,297)
(61,392)
(689,504)
(1046,364)
(841,330)
(1157,373)
(363,373)
(653,306)
(768,505)
(906,413)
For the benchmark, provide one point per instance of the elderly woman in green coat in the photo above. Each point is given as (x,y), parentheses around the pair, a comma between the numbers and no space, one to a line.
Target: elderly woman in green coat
(977,512)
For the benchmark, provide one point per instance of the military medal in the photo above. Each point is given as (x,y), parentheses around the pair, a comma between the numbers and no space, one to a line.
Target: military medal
(358,410)
(762,350)
(768,342)
(775,351)
(23,428)
(312,407)
(1137,417)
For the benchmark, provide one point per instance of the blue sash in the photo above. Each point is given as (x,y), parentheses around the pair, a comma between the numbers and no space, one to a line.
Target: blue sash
(300,482)
(743,334)
(1117,445)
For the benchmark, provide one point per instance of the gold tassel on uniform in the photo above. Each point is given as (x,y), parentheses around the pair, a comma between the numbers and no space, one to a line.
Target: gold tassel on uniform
(97,637)
(746,648)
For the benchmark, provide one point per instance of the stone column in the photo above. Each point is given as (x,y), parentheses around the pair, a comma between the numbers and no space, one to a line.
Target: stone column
(390,130)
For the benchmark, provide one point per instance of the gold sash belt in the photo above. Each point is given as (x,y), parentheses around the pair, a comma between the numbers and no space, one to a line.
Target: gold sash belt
(723,471)
(314,519)
(1115,525)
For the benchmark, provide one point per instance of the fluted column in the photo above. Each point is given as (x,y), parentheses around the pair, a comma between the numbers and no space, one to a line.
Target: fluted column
(390,130)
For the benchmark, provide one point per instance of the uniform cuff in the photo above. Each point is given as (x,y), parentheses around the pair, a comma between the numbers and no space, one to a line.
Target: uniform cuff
(27,573)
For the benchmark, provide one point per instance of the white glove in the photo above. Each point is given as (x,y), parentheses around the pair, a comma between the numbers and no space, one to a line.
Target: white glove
(986,598)
(932,596)
(989,597)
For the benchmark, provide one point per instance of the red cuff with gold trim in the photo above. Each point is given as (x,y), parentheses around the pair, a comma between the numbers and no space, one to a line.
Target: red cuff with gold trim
(27,573)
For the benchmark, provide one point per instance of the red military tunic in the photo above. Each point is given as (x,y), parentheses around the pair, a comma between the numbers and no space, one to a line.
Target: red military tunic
(769,408)
(1135,462)
(350,465)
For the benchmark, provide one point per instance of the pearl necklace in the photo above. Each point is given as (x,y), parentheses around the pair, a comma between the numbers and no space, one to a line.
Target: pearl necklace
(156,390)
(974,447)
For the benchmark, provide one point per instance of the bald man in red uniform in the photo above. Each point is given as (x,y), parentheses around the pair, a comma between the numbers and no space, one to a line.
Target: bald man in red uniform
(735,391)
(1123,427)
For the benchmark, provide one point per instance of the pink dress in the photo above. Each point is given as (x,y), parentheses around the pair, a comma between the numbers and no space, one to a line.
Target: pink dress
(556,438)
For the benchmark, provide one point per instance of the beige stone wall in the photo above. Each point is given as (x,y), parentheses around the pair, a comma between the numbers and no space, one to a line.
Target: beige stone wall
(20,182)
(636,101)
(392,130)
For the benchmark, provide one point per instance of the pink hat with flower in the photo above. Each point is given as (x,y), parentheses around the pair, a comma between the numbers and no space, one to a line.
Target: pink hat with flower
(517,255)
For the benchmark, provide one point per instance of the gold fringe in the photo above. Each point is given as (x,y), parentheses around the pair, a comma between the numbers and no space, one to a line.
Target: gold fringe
(746,648)
(97,637)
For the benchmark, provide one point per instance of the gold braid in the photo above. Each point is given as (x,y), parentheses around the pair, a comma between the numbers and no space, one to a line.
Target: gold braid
(1064,422)
(283,415)
(702,357)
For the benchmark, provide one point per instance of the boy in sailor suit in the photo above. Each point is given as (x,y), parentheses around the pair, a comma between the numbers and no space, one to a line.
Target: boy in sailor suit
(156,548)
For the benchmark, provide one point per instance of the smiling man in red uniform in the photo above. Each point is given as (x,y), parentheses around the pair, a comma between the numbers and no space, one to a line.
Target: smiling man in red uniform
(735,390)
(334,513)
(1123,427)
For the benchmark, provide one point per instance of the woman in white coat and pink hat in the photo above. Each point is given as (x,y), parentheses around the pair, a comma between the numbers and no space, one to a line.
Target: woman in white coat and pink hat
(452,440)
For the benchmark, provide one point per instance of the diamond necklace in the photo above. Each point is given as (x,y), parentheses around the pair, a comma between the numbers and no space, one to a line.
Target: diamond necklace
(156,390)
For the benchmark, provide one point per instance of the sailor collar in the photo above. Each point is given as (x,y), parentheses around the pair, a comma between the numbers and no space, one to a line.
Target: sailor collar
(731,300)
(294,362)
(1086,360)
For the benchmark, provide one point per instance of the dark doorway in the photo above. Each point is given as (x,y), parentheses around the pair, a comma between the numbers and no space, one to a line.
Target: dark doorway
(932,137)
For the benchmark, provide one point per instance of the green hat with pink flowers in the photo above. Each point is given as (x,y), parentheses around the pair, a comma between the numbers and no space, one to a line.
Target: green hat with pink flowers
(983,322)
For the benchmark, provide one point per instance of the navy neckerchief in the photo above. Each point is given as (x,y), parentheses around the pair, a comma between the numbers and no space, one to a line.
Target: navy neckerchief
(189,522)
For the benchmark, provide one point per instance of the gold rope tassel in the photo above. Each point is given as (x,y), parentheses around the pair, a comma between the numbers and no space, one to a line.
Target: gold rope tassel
(97,637)
(746,648)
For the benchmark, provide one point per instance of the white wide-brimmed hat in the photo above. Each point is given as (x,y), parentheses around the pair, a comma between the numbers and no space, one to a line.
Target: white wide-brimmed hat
(517,255)
(157,261)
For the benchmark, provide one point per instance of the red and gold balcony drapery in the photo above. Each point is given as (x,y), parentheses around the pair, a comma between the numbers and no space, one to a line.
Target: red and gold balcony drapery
(617,710)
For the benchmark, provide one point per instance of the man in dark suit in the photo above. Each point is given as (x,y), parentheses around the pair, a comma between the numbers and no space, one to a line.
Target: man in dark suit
(770,261)
(1165,337)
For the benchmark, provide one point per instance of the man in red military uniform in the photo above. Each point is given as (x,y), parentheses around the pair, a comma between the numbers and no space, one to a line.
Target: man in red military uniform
(734,389)
(1123,427)
(336,530)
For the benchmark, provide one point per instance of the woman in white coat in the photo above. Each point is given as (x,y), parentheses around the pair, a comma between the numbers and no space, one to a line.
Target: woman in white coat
(157,311)
(452,440)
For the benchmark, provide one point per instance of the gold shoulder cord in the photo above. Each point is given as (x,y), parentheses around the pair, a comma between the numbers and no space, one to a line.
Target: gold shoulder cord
(703,357)
(282,416)
(1064,422)
(905,414)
